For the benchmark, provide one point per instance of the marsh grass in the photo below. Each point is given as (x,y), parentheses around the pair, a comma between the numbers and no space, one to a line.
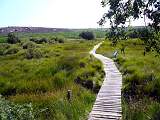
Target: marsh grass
(3,38)
(44,81)
(141,79)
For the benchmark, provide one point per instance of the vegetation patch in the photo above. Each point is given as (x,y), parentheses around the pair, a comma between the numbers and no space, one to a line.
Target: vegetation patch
(90,74)
(12,38)
(28,45)
(4,47)
(87,35)
(141,79)
(41,74)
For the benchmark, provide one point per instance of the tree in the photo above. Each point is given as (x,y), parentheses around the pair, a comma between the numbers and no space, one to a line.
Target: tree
(87,35)
(122,10)
(12,38)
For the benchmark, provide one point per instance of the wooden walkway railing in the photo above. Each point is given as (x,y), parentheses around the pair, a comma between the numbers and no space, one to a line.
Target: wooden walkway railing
(108,102)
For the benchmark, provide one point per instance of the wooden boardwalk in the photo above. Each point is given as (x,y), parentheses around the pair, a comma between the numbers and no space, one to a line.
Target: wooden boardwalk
(108,102)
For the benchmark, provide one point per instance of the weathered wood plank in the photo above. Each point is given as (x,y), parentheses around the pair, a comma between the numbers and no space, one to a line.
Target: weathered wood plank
(108,102)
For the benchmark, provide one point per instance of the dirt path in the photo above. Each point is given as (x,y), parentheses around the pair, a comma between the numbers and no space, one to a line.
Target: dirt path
(108,102)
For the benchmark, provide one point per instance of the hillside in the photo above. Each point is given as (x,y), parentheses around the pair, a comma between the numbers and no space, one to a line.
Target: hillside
(5,30)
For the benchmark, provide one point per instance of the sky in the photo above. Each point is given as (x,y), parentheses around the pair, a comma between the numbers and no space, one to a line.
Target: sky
(53,13)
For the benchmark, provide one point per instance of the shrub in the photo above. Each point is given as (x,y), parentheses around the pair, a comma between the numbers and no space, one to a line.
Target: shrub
(59,39)
(11,50)
(52,40)
(10,111)
(12,38)
(39,41)
(29,44)
(87,35)
(34,39)
(3,47)
(43,40)
(33,53)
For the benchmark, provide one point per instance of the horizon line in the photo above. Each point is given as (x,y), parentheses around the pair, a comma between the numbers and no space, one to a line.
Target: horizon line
(62,27)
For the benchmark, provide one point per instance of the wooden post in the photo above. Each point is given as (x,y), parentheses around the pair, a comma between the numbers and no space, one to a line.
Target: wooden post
(69,95)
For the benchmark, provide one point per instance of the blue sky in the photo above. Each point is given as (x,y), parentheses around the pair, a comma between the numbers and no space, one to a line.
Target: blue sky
(15,12)
(52,13)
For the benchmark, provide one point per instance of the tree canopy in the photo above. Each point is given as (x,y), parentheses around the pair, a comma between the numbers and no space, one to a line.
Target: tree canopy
(121,11)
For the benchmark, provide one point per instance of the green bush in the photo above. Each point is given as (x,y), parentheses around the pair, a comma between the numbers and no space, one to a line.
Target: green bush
(3,47)
(59,39)
(10,111)
(43,40)
(87,35)
(12,38)
(11,50)
(33,53)
(29,44)
(51,40)
(39,40)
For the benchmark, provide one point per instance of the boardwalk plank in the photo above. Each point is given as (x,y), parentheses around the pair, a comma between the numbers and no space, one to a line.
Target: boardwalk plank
(108,102)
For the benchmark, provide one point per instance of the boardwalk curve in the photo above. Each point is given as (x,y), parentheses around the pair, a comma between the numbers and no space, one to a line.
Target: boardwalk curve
(108,102)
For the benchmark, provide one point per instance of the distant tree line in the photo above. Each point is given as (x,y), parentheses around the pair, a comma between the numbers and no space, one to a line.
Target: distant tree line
(124,33)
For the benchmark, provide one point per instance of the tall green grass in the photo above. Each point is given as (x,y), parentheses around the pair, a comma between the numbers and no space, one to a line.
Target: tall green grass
(3,38)
(44,81)
(141,79)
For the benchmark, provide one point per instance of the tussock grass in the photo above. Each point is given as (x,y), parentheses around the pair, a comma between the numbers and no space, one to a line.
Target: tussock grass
(44,81)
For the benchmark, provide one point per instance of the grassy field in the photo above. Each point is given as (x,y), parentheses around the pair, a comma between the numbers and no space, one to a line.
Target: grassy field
(39,75)
(35,77)
(141,79)
(70,35)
